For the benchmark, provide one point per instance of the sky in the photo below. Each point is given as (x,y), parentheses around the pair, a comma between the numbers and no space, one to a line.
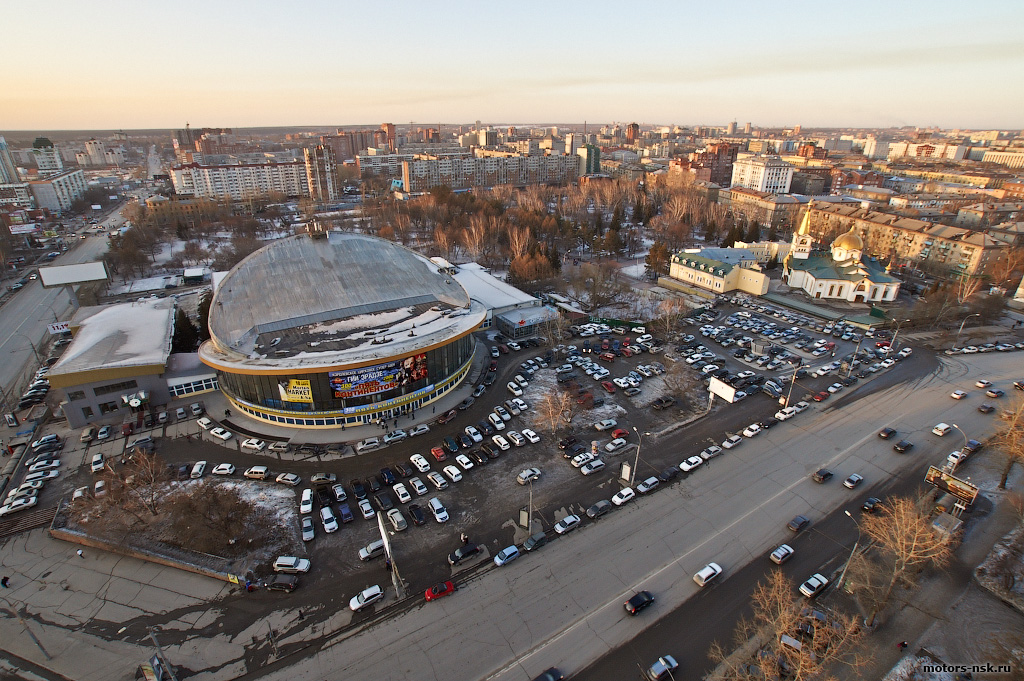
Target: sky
(114,64)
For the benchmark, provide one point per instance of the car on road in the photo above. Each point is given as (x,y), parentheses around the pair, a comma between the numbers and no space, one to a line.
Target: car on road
(528,475)
(365,598)
(104,433)
(599,509)
(886,433)
(781,554)
(798,523)
(606,424)
(223,469)
(506,555)
(903,446)
(254,445)
(986,408)
(615,445)
(222,434)
(648,485)
(982,383)
(463,553)
(752,430)
(871,504)
(291,564)
(853,481)
(731,441)
(439,591)
(941,429)
(814,585)
(994,392)
(282,582)
(664,668)
(420,463)
(958,394)
(638,602)
(289,479)
(592,467)
(707,574)
(567,524)
(822,475)
(710,452)
(452,473)
(623,496)
(420,429)
(690,464)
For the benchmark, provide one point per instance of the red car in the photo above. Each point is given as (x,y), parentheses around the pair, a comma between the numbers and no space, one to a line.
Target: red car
(619,432)
(439,453)
(494,365)
(448,416)
(439,591)
(584,397)
(882,344)
(608,386)
(821,397)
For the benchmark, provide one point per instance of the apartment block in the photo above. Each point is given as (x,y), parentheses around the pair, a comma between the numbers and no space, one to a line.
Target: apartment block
(240,182)
(768,174)
(421,174)
(58,192)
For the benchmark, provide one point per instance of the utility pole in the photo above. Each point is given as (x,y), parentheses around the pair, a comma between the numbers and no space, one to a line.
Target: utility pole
(163,660)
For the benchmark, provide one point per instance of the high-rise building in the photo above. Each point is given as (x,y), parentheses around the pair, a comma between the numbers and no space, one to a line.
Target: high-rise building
(632,133)
(240,182)
(390,135)
(731,129)
(95,152)
(58,192)
(763,173)
(8,170)
(322,173)
(747,128)
(590,159)
(47,157)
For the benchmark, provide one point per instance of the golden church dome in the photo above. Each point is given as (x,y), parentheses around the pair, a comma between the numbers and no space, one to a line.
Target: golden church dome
(849,241)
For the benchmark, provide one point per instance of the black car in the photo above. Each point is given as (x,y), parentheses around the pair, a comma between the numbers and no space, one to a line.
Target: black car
(149,420)
(466,441)
(572,451)
(373,483)
(971,447)
(450,444)
(403,469)
(886,433)
(489,378)
(489,450)
(383,500)
(567,442)
(798,523)
(822,475)
(477,457)
(358,489)
(387,476)
(324,496)
(986,408)
(485,427)
(416,513)
(769,422)
(903,446)
(638,602)
(345,513)
(282,582)
(871,505)
(463,553)
(669,474)
(599,509)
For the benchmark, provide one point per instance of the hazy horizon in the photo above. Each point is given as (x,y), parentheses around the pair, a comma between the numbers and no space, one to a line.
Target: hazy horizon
(109,66)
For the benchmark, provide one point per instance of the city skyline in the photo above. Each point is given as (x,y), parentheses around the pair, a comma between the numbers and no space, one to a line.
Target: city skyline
(234,64)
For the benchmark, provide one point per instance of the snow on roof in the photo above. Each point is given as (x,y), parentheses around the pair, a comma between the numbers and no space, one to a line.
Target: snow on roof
(488,290)
(126,335)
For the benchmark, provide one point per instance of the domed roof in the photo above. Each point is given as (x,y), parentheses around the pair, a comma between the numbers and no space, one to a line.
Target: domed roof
(850,241)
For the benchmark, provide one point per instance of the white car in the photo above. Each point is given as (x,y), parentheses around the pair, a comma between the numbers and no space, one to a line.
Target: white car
(365,598)
(801,406)
(621,382)
(731,441)
(366,509)
(474,433)
(421,464)
(528,475)
(601,374)
(223,469)
(418,486)
(752,430)
(254,445)
(615,445)
(463,462)
(814,585)
(624,495)
(496,421)
(567,524)
(582,458)
(592,467)
(522,404)
(395,436)
(690,464)
(516,439)
(438,509)
(306,501)
(501,442)
(711,452)
(781,554)
(421,429)
(523,383)
(204,423)
(786,414)
(514,389)
(503,413)
(958,394)
(291,564)
(221,434)
(402,493)
(452,473)
(606,424)
(531,436)
(289,479)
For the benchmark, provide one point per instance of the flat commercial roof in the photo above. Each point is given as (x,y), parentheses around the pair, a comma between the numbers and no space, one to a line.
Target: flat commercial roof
(484,287)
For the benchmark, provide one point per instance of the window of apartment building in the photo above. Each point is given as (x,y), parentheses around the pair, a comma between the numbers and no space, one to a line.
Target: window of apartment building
(76,395)
(108,407)
(115,387)
(87,412)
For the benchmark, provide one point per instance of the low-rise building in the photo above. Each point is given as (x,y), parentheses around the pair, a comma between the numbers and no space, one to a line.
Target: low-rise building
(710,274)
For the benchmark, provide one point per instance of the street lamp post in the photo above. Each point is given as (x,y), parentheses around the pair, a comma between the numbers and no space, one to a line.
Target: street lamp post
(893,345)
(32,346)
(960,430)
(636,462)
(957,342)
(856,544)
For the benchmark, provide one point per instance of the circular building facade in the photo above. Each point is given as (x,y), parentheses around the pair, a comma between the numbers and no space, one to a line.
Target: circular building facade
(343,329)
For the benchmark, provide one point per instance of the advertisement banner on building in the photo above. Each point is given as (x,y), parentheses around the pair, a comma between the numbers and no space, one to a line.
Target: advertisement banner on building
(379,377)
(24,229)
(296,391)
(58,327)
(961,489)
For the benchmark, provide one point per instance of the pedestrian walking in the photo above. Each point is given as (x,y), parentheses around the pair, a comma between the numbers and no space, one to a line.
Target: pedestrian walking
(465,538)
(902,645)
(81,553)
(4,582)
(301,616)
(433,410)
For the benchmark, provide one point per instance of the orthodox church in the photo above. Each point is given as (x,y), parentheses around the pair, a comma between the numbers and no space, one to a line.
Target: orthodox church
(841,273)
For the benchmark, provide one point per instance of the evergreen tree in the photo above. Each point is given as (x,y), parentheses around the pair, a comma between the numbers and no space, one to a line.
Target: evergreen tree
(753,232)
(203,312)
(186,336)
(616,218)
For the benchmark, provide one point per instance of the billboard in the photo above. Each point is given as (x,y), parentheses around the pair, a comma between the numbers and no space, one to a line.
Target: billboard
(379,377)
(961,489)
(58,327)
(722,389)
(62,275)
(24,229)
(296,391)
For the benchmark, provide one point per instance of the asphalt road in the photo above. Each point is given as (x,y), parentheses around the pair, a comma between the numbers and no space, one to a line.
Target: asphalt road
(562,607)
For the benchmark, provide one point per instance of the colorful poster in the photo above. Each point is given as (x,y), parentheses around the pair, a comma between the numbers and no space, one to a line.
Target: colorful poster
(296,391)
(379,377)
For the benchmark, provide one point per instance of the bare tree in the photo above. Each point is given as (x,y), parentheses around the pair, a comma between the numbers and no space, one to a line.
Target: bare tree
(554,409)
(595,286)
(904,534)
(966,286)
(1010,439)
(671,310)
(798,644)
(519,241)
(681,381)
(214,518)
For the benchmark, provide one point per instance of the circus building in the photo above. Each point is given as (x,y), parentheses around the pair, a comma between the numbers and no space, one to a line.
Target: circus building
(843,272)
(338,329)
